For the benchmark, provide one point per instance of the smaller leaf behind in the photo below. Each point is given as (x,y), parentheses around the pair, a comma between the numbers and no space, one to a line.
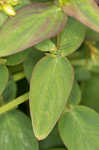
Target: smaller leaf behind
(3,78)
(75,96)
(71,38)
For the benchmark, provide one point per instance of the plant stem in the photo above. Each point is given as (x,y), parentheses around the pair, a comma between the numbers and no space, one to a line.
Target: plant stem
(18,76)
(14,103)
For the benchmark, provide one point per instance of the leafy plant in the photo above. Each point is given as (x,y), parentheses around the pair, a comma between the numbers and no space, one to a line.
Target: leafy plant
(49,74)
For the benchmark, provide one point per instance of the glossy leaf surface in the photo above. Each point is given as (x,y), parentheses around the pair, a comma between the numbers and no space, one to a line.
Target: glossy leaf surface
(50,87)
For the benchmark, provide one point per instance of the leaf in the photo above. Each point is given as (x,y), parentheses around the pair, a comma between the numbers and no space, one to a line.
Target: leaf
(53,140)
(32,24)
(3,78)
(86,11)
(10,91)
(50,87)
(82,73)
(75,96)
(16,132)
(4,17)
(57,149)
(18,58)
(90,92)
(22,4)
(30,62)
(70,37)
(91,35)
(79,128)
(46,45)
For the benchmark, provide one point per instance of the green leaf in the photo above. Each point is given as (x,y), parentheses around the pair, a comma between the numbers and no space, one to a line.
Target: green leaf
(46,45)
(10,91)
(57,149)
(82,73)
(16,132)
(32,24)
(79,128)
(70,37)
(86,11)
(3,78)
(30,62)
(90,92)
(22,4)
(18,58)
(75,96)
(91,35)
(53,140)
(4,17)
(50,86)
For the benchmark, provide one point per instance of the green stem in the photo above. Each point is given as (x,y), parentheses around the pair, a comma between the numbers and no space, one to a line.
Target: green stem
(18,76)
(14,103)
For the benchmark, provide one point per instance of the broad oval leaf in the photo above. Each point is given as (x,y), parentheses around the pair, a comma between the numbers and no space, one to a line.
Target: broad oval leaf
(50,86)
(16,132)
(32,24)
(3,78)
(86,11)
(79,128)
(70,37)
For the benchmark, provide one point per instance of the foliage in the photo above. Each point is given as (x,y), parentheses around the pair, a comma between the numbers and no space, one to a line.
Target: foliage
(49,74)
